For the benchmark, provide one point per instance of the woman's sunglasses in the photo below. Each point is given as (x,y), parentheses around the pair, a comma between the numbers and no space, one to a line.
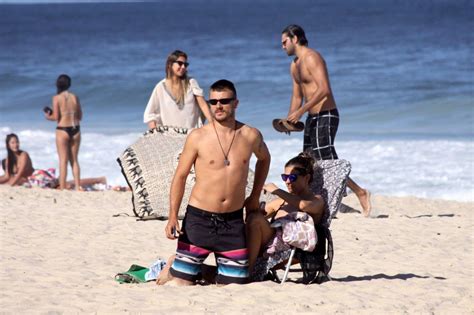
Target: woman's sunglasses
(182,63)
(291,177)
(223,101)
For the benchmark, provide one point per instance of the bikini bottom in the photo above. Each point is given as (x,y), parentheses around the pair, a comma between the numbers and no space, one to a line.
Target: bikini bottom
(71,131)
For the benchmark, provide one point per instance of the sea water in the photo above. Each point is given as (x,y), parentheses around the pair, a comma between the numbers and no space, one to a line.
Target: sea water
(401,74)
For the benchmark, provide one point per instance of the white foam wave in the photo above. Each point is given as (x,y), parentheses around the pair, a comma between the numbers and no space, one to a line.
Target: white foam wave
(440,169)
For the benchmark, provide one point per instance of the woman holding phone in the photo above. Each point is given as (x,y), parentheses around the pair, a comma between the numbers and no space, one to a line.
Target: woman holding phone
(68,114)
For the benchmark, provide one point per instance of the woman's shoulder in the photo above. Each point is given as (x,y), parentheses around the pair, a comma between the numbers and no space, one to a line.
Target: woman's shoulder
(194,83)
(160,83)
(24,155)
(193,80)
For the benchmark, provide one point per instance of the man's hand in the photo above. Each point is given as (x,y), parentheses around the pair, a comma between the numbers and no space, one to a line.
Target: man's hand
(172,229)
(251,203)
(270,188)
(295,116)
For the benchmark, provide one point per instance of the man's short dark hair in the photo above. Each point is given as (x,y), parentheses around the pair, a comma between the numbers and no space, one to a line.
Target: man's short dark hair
(221,85)
(296,30)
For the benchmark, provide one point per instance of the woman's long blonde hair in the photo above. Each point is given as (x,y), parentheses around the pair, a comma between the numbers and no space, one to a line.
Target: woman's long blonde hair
(183,87)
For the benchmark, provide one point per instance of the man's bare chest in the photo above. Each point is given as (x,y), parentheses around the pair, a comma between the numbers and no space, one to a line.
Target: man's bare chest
(301,74)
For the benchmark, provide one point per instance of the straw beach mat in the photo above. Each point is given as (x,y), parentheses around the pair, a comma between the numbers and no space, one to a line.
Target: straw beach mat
(148,166)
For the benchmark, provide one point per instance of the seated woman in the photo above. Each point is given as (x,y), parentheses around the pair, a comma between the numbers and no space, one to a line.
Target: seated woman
(18,165)
(297,177)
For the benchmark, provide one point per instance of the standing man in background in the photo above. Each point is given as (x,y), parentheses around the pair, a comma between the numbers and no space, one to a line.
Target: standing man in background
(312,93)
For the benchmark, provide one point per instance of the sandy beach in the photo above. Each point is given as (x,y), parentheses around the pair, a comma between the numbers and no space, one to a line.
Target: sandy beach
(61,250)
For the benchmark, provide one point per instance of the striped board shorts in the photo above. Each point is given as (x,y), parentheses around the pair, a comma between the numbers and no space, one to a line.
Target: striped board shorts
(206,232)
(319,134)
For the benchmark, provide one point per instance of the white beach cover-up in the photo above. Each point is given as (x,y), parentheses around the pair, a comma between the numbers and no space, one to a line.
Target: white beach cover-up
(163,109)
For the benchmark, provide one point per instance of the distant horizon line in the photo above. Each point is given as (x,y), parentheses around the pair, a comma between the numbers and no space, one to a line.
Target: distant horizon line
(28,2)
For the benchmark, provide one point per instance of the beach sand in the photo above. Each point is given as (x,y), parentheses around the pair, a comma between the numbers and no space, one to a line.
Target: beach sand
(61,250)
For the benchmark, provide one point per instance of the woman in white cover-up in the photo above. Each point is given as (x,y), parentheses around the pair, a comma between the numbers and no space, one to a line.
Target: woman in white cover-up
(177,100)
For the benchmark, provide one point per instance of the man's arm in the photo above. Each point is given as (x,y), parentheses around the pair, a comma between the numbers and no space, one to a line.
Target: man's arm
(297,95)
(317,69)
(186,161)
(261,171)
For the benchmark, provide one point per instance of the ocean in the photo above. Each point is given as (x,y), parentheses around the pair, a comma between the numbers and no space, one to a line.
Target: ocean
(401,73)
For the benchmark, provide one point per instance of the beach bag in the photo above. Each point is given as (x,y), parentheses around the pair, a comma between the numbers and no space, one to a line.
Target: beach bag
(298,230)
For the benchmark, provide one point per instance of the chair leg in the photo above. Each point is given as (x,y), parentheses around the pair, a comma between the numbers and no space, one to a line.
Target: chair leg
(288,265)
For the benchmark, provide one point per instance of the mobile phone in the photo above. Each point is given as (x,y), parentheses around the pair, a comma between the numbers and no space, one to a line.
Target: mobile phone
(173,231)
(47,110)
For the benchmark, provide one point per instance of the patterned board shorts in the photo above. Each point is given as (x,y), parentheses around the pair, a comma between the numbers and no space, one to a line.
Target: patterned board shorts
(206,232)
(319,134)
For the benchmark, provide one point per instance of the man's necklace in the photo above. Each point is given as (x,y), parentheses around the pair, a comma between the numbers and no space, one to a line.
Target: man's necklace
(226,155)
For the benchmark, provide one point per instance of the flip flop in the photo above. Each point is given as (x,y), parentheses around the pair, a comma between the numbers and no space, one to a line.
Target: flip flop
(283,125)
(277,124)
(298,126)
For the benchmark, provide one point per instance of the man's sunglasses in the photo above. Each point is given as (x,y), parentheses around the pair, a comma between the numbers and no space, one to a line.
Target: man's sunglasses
(182,63)
(223,101)
(291,177)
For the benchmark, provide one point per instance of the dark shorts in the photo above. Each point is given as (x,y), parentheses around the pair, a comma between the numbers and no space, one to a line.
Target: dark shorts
(206,232)
(319,134)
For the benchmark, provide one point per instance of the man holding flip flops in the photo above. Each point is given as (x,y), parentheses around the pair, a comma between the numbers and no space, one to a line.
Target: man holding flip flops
(312,93)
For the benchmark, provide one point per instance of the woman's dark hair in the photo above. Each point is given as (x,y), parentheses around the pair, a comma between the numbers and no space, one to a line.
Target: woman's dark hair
(11,157)
(63,83)
(296,30)
(303,163)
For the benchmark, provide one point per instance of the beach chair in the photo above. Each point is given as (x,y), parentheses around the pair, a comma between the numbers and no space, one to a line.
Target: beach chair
(330,182)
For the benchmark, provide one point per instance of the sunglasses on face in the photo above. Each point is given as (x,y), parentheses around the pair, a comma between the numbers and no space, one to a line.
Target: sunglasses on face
(182,63)
(291,177)
(223,101)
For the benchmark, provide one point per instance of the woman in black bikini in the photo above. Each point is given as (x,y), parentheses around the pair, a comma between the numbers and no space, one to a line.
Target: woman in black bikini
(297,177)
(17,165)
(68,113)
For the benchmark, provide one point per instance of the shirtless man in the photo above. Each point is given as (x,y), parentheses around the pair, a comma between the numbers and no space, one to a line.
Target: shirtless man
(312,93)
(220,153)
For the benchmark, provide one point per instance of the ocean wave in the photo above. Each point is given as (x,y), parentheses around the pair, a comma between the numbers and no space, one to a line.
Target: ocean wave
(440,169)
